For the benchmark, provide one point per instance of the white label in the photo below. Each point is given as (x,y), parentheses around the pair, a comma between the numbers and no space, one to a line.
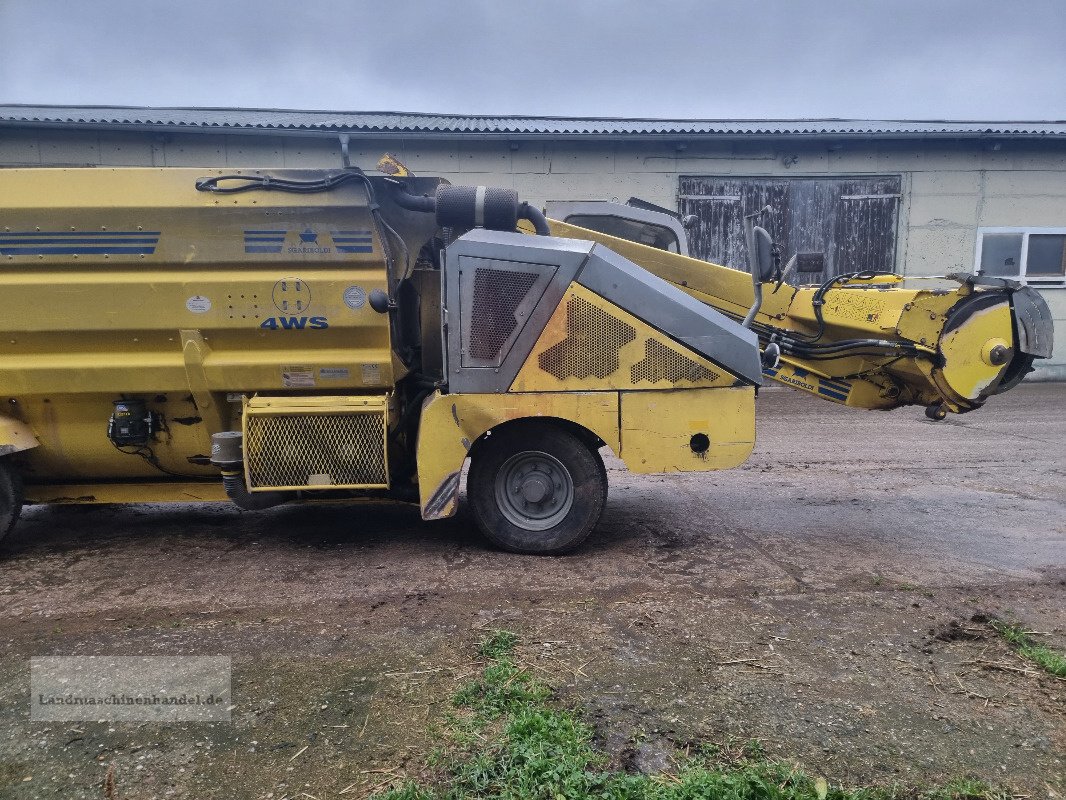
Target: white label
(334,373)
(198,304)
(355,297)
(297,377)
(371,373)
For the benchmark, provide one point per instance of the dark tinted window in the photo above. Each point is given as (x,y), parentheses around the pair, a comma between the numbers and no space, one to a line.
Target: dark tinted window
(631,230)
(1001,254)
(1046,255)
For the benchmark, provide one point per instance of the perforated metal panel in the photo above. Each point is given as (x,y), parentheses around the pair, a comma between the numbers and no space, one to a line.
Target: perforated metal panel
(497,295)
(660,363)
(590,344)
(593,339)
(497,298)
(312,448)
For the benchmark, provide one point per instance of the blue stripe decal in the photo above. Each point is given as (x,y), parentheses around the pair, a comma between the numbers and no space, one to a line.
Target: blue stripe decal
(834,395)
(353,249)
(839,387)
(276,233)
(261,249)
(72,242)
(264,238)
(77,250)
(353,238)
(80,234)
(350,233)
(800,372)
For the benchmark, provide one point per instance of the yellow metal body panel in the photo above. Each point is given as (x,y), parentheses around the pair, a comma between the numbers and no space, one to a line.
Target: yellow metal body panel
(661,430)
(649,431)
(15,436)
(72,430)
(970,371)
(859,394)
(452,423)
(207,491)
(591,344)
(130,282)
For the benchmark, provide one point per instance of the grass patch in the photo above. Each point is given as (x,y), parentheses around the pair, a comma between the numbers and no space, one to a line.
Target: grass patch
(510,739)
(1049,660)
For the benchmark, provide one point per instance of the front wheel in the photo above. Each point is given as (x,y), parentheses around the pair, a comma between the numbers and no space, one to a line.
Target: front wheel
(536,488)
(11,497)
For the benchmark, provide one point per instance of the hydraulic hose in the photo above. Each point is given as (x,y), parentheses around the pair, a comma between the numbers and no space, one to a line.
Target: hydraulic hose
(413,202)
(536,217)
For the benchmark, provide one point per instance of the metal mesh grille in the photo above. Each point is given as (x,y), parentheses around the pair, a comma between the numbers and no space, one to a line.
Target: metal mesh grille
(660,363)
(497,295)
(316,450)
(593,339)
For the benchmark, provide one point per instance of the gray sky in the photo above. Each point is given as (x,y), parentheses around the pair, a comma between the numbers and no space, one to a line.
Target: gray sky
(955,59)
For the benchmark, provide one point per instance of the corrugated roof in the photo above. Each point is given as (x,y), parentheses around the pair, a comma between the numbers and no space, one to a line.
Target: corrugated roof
(399,123)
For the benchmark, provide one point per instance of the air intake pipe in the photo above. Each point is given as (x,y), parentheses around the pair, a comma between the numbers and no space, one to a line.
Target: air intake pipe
(473,207)
(227,453)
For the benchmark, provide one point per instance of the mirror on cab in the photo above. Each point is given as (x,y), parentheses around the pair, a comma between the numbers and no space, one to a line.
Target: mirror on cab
(762,256)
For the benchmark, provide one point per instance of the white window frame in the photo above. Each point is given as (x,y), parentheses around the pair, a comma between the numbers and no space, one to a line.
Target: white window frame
(1021,277)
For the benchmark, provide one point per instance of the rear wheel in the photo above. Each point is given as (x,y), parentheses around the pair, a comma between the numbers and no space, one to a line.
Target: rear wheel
(10,497)
(536,488)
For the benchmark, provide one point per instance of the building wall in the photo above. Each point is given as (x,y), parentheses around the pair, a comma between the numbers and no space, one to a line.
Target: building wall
(949,189)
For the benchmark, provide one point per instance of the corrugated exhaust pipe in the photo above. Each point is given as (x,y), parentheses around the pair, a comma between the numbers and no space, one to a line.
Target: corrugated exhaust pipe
(227,453)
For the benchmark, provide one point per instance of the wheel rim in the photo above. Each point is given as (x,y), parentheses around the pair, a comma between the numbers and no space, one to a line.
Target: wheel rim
(534,490)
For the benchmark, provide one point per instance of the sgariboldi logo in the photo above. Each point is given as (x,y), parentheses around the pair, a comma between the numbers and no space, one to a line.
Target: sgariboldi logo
(309,244)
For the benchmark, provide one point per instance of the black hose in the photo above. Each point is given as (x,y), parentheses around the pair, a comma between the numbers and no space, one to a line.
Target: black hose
(233,483)
(845,344)
(473,206)
(247,183)
(535,216)
(413,202)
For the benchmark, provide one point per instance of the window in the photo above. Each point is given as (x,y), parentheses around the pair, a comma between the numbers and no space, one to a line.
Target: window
(1034,256)
(632,230)
(837,225)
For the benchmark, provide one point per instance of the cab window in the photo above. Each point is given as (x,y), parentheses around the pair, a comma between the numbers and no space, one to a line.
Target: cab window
(641,232)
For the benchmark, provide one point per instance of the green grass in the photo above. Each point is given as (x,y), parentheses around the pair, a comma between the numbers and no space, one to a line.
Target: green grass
(1049,660)
(509,738)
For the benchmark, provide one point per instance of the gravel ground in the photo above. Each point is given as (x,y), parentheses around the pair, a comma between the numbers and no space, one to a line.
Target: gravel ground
(827,598)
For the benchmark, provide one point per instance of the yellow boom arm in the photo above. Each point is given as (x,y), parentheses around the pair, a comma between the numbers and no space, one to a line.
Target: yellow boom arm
(868,340)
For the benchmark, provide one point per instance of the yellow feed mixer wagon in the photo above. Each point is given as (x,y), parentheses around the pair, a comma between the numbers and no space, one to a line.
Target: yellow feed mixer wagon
(273,336)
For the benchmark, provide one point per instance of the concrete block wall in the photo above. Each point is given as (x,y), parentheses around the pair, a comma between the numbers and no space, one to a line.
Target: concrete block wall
(949,189)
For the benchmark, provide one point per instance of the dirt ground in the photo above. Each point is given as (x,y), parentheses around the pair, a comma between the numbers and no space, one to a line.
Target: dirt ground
(821,599)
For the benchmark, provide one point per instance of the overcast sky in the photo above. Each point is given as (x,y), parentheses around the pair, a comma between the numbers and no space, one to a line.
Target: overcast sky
(928,59)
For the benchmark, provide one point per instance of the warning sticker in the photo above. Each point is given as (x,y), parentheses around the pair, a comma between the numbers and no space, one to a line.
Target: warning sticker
(371,373)
(334,373)
(297,377)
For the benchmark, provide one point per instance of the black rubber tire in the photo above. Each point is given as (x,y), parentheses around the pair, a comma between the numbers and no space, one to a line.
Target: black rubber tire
(586,471)
(936,412)
(11,497)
